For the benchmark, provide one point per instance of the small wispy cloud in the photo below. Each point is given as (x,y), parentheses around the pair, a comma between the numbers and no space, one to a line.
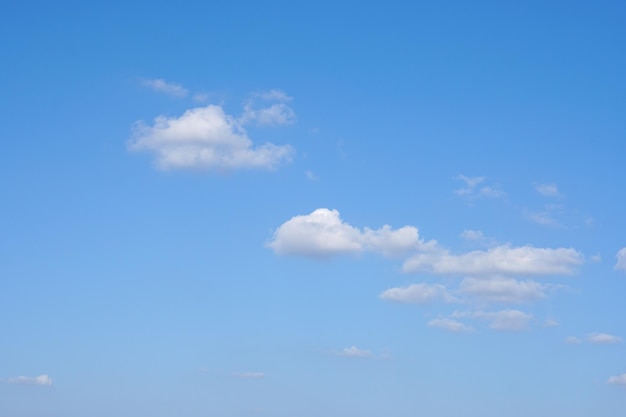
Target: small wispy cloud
(249,375)
(450,325)
(161,86)
(573,340)
(618,380)
(43,380)
(474,189)
(603,338)
(272,95)
(311,176)
(621,260)
(503,320)
(354,352)
(548,190)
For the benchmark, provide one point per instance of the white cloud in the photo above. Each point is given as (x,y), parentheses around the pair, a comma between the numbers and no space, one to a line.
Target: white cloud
(547,190)
(472,188)
(621,260)
(354,352)
(311,176)
(502,260)
(603,338)
(44,380)
(161,86)
(274,115)
(502,290)
(322,234)
(551,323)
(450,325)
(543,218)
(201,97)
(273,95)
(205,138)
(421,293)
(250,375)
(572,340)
(473,235)
(509,320)
(618,380)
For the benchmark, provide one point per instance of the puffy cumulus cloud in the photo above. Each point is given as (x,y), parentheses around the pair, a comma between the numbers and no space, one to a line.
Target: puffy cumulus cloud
(323,234)
(505,320)
(621,260)
(450,325)
(43,380)
(161,86)
(603,338)
(547,190)
(502,260)
(421,293)
(354,352)
(205,138)
(502,290)
(249,375)
(618,380)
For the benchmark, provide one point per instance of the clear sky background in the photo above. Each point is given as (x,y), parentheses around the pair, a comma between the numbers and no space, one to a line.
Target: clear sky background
(326,209)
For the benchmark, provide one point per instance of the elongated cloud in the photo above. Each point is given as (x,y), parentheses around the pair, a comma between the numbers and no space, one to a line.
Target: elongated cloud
(450,325)
(354,352)
(43,380)
(249,375)
(502,260)
(505,320)
(603,338)
(323,234)
(502,290)
(161,86)
(205,138)
(417,294)
(621,260)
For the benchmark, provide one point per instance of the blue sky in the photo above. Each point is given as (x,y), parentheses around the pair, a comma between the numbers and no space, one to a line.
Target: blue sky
(322,209)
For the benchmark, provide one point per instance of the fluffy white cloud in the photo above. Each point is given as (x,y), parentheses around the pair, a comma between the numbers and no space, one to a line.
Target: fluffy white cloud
(205,138)
(510,320)
(323,234)
(502,290)
(618,380)
(421,293)
(161,86)
(603,338)
(250,375)
(621,260)
(547,190)
(44,380)
(502,260)
(450,325)
(354,352)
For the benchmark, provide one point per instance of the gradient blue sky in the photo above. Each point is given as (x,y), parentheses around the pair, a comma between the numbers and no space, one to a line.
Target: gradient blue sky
(323,209)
